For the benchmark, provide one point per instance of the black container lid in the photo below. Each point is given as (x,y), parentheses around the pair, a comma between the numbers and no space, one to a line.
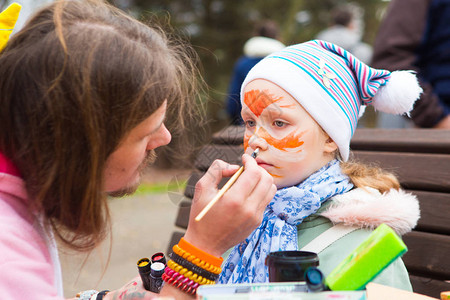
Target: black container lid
(144,264)
(293,256)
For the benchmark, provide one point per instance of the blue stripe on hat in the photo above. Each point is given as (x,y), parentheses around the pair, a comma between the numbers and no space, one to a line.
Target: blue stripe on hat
(348,80)
(350,107)
(339,92)
(319,83)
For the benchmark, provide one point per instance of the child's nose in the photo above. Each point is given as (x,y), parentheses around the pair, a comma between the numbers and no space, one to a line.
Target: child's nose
(257,141)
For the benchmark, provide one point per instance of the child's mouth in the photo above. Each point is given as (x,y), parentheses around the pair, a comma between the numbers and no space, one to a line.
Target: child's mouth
(263,164)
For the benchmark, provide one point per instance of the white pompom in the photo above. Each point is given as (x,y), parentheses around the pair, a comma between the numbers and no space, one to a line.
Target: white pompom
(399,93)
(362,110)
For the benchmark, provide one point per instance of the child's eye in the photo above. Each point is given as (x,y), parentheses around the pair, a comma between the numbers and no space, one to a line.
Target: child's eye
(250,123)
(279,123)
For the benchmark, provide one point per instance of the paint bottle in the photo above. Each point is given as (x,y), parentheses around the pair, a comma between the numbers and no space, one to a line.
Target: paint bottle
(290,265)
(156,281)
(144,267)
(315,280)
(159,257)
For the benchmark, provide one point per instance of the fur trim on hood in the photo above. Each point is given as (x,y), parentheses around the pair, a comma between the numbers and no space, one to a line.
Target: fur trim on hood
(368,208)
(260,46)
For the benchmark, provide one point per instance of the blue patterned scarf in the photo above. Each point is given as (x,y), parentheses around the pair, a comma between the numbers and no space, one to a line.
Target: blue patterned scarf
(278,230)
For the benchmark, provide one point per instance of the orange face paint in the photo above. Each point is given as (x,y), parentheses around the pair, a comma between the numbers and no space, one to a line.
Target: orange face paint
(258,101)
(275,176)
(247,137)
(292,140)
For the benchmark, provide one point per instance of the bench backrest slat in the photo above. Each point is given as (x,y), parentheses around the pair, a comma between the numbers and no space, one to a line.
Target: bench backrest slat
(434,212)
(416,171)
(229,153)
(427,286)
(402,140)
(427,254)
(398,140)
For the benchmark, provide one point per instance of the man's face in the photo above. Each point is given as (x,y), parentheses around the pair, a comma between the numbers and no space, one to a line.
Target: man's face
(124,166)
(292,145)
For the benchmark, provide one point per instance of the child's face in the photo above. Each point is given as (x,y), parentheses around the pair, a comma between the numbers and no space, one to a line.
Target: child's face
(292,145)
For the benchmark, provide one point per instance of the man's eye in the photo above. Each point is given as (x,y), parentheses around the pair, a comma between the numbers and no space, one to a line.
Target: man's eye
(279,123)
(250,123)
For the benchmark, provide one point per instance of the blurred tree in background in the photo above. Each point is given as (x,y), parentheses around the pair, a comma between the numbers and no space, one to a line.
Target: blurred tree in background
(218,30)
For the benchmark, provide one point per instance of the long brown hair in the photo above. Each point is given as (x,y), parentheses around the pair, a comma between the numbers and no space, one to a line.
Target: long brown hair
(364,175)
(73,82)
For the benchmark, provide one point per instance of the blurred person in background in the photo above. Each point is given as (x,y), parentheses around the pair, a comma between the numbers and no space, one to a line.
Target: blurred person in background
(265,42)
(415,35)
(346,32)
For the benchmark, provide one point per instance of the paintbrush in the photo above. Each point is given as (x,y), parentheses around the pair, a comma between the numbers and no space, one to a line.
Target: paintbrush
(224,189)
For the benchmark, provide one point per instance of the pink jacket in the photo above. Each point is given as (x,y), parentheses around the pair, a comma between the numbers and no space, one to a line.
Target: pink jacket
(29,263)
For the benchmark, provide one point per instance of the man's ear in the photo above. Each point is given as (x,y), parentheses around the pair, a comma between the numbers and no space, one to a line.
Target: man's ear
(330,146)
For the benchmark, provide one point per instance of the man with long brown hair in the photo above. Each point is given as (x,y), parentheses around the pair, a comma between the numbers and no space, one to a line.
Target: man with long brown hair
(85,94)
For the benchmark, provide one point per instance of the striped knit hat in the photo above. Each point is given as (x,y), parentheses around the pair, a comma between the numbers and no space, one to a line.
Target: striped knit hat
(331,84)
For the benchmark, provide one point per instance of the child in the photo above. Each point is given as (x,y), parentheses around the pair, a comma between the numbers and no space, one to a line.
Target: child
(300,108)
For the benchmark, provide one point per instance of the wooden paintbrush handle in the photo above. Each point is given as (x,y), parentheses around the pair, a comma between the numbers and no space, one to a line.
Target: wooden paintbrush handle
(224,189)
(220,193)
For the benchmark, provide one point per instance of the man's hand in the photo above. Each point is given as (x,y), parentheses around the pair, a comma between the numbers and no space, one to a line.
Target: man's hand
(236,214)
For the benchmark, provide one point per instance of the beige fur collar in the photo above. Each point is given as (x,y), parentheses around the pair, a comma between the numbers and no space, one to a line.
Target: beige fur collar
(368,208)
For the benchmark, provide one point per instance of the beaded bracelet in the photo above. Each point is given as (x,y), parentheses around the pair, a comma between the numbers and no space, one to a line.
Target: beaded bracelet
(186,285)
(194,268)
(188,274)
(195,260)
(212,260)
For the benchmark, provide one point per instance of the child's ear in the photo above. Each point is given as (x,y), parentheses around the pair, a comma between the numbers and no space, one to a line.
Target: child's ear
(330,146)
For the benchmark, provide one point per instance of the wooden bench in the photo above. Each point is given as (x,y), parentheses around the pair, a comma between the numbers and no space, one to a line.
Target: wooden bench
(421,160)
